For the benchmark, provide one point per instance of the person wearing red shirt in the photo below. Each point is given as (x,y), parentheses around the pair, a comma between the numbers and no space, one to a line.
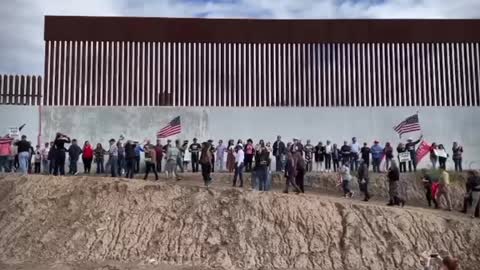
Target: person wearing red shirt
(87,157)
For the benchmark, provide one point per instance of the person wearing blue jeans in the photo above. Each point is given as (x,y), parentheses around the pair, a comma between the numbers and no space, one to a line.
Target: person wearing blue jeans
(377,155)
(23,154)
(262,162)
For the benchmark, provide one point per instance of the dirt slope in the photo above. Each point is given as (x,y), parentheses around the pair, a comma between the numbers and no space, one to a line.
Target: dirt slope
(82,219)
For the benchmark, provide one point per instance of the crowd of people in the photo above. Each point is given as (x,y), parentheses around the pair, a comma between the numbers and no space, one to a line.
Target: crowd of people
(293,159)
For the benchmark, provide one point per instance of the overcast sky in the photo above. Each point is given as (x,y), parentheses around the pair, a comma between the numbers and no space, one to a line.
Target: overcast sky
(21,21)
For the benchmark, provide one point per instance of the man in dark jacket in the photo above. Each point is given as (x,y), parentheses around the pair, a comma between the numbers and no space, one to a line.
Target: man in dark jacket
(194,149)
(363,180)
(279,151)
(345,152)
(410,146)
(365,153)
(262,162)
(159,155)
(74,152)
(130,159)
(472,185)
(290,173)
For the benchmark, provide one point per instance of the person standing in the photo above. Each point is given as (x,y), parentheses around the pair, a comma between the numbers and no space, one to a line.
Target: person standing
(363,180)
(290,173)
(74,152)
(335,157)
(99,158)
(138,152)
(159,155)
(328,156)
(249,154)
(239,165)
(403,164)
(172,161)
(45,160)
(457,156)
(433,155)
(346,153)
(279,151)
(150,160)
(231,167)
(221,149)
(354,154)
(411,148)
(365,154)
(87,157)
(130,159)
(181,152)
(121,158)
(428,184)
(23,154)
(377,155)
(473,191)
(444,188)
(31,159)
(206,163)
(309,149)
(13,158)
(262,162)
(388,153)
(319,156)
(187,157)
(300,171)
(37,159)
(51,157)
(113,158)
(194,150)
(346,178)
(393,176)
(212,149)
(442,157)
(5,153)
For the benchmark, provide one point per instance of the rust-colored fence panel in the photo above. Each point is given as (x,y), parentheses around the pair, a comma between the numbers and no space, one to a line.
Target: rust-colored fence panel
(20,90)
(249,63)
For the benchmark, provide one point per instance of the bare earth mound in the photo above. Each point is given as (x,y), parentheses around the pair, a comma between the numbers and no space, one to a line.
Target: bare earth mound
(79,221)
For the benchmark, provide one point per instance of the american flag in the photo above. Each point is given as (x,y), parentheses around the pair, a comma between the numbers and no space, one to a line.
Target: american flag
(174,127)
(408,125)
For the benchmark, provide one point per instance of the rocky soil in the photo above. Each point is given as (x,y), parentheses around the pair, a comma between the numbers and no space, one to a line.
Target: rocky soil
(104,223)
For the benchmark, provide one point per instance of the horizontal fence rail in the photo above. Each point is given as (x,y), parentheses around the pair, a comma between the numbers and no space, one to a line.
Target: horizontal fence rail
(121,73)
(20,90)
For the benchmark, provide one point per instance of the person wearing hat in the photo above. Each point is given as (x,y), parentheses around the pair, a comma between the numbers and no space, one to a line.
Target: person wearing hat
(239,165)
(410,146)
(377,155)
(194,150)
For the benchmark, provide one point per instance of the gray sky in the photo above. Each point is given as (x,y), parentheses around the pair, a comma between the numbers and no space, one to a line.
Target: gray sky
(21,21)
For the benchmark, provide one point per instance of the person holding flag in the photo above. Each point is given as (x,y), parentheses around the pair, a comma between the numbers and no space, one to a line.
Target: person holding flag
(410,147)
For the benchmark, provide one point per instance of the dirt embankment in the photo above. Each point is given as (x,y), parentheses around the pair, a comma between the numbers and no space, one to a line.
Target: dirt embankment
(81,220)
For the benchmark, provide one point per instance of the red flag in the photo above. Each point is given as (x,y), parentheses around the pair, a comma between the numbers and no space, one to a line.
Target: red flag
(423,150)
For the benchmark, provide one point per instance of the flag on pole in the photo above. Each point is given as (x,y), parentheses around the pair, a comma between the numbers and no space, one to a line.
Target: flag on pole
(173,128)
(422,150)
(408,125)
